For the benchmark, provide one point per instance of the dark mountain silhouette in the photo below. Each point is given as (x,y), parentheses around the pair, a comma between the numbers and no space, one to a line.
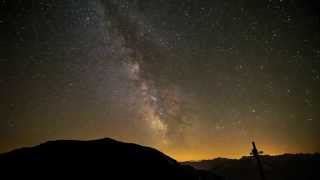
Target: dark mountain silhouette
(97,159)
(280,167)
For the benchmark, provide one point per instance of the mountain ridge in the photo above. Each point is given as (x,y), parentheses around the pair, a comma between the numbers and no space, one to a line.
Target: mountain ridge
(93,159)
(276,167)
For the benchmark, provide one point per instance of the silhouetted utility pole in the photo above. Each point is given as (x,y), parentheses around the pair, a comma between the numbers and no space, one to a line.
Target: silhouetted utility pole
(255,154)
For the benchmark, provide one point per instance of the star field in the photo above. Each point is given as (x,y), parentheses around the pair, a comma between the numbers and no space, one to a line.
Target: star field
(196,79)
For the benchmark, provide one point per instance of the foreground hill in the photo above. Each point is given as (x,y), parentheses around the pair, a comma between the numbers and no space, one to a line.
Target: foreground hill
(281,167)
(97,159)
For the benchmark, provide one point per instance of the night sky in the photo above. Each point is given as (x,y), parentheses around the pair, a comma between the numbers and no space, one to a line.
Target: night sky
(196,79)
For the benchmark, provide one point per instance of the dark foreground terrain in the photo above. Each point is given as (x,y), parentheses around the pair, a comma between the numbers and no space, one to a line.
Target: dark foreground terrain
(281,167)
(97,159)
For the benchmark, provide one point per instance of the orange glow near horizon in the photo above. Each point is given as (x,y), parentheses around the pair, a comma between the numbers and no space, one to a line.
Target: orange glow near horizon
(205,152)
(181,157)
(207,155)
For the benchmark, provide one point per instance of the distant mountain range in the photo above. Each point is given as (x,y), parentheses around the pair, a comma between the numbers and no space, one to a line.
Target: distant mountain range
(280,167)
(96,159)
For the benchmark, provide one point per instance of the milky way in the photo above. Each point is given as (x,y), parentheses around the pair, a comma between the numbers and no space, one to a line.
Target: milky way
(196,79)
